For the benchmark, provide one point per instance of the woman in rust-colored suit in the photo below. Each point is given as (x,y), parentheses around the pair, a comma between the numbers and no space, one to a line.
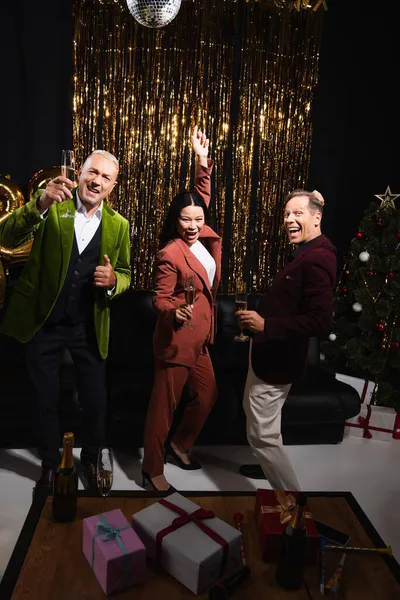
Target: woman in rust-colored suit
(189,247)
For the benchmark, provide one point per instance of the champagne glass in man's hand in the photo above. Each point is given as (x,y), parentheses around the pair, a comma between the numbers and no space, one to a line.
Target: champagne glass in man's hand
(105,471)
(241,304)
(68,171)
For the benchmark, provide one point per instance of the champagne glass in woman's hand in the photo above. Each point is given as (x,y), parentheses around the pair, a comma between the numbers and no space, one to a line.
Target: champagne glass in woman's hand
(68,171)
(105,471)
(241,304)
(190,296)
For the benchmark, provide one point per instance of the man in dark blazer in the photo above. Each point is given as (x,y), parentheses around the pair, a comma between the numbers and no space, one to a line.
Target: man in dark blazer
(299,305)
(80,260)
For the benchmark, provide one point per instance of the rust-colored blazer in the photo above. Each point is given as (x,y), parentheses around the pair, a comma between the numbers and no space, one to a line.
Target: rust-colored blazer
(171,341)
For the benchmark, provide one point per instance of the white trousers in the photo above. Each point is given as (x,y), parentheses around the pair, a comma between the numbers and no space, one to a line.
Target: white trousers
(263,404)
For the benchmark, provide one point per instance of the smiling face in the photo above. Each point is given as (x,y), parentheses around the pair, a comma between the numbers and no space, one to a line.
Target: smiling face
(97,178)
(190,223)
(301,225)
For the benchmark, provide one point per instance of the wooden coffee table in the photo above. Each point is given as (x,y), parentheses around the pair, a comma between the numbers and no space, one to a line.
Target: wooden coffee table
(48,563)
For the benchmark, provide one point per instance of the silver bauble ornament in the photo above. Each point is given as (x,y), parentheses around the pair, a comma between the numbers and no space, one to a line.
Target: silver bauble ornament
(357,307)
(364,256)
(332,337)
(154,13)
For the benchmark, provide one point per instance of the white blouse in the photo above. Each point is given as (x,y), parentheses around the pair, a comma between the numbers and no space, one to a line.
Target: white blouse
(203,255)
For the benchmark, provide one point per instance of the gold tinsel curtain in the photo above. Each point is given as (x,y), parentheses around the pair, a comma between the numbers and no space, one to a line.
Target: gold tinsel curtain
(245,72)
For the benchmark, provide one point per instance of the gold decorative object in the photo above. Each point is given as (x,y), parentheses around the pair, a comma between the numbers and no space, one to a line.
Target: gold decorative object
(387,199)
(387,550)
(245,73)
(40,179)
(313,5)
(11,198)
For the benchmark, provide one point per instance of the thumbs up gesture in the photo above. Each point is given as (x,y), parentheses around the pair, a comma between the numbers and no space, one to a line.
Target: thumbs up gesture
(104,276)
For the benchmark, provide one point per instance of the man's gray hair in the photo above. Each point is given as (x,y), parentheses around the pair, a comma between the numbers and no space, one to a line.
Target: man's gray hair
(106,155)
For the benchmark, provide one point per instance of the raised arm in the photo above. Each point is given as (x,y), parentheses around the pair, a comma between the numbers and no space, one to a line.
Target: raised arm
(204,165)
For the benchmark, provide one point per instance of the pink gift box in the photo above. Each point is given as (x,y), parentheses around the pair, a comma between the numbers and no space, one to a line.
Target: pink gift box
(114,551)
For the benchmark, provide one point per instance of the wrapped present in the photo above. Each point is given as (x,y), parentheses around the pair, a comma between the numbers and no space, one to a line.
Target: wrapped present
(189,542)
(374,422)
(114,551)
(270,528)
(364,387)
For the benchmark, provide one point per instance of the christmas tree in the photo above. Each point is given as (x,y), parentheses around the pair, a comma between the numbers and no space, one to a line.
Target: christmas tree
(365,340)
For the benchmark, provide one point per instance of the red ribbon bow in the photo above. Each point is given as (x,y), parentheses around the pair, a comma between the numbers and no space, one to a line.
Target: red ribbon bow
(200,513)
(197,518)
(364,422)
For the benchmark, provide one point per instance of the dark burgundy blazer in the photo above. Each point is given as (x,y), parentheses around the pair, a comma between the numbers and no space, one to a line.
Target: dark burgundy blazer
(299,305)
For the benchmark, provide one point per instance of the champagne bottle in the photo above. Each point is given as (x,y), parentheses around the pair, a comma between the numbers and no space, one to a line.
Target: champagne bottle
(289,573)
(65,491)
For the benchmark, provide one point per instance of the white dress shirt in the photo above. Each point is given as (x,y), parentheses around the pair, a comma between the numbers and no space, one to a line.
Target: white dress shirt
(85,227)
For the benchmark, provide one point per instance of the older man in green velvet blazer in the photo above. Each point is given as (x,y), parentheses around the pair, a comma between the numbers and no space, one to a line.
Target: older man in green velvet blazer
(77,265)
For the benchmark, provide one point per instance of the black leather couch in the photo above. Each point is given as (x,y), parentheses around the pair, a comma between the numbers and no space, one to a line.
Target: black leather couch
(314,413)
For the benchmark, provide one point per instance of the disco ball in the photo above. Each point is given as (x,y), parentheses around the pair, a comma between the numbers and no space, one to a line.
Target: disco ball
(154,13)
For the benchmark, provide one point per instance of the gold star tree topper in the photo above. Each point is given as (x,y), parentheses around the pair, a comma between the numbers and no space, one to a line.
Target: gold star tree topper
(387,199)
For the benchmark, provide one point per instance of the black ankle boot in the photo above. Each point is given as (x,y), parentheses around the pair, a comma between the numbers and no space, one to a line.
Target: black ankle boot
(172,457)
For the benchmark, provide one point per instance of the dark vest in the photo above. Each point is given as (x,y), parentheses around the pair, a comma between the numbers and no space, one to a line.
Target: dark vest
(76,299)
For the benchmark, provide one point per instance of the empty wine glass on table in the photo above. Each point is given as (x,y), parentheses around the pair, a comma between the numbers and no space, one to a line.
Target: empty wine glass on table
(68,170)
(241,304)
(105,470)
(190,295)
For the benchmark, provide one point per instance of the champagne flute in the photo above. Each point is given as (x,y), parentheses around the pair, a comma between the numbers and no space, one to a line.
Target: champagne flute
(68,170)
(190,296)
(105,471)
(241,304)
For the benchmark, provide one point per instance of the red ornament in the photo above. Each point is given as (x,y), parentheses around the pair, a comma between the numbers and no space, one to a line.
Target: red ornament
(379,223)
(345,290)
(398,235)
(390,274)
(370,273)
(380,326)
(395,345)
(359,235)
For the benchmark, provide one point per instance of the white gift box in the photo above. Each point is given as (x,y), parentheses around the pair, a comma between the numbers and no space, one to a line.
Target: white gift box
(187,553)
(374,422)
(364,387)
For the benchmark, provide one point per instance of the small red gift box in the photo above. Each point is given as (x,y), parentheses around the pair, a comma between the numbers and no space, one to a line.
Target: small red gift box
(270,528)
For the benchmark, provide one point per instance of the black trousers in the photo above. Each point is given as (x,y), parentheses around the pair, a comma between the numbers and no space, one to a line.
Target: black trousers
(43,356)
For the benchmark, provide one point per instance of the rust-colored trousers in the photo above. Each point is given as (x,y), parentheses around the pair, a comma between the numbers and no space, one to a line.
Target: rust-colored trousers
(169,380)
